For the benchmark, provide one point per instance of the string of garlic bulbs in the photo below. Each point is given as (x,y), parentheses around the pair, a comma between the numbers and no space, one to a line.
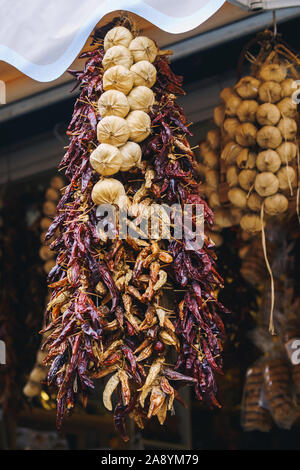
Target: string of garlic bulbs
(123,108)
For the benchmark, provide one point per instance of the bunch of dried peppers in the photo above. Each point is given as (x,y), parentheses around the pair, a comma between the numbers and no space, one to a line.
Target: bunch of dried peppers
(106,314)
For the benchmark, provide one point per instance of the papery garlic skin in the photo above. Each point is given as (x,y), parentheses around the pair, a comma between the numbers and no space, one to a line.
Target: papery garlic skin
(113,130)
(268,160)
(251,223)
(246,111)
(117,55)
(287,151)
(106,159)
(266,184)
(277,204)
(118,36)
(269,92)
(131,155)
(219,115)
(286,177)
(143,48)
(288,128)
(139,124)
(269,137)
(273,72)
(113,103)
(144,73)
(108,191)
(267,114)
(237,197)
(247,87)
(141,98)
(118,78)
(254,202)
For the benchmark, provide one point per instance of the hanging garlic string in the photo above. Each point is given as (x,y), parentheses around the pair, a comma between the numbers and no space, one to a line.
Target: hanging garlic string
(263,237)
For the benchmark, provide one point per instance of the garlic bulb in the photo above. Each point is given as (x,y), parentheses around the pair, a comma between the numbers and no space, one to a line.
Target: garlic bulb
(52,194)
(222,218)
(276,204)
(139,124)
(246,179)
(287,151)
(287,88)
(213,139)
(246,111)
(232,103)
(45,253)
(273,72)
(214,200)
(266,184)
(236,215)
(287,108)
(210,159)
(49,265)
(286,177)
(251,223)
(219,114)
(143,48)
(37,374)
(247,87)
(268,160)
(254,202)
(237,197)
(57,182)
(144,73)
(270,92)
(246,159)
(118,36)
(45,223)
(208,190)
(31,389)
(230,152)
(108,191)
(230,126)
(204,148)
(131,155)
(288,128)
(269,137)
(117,55)
(141,98)
(113,103)
(49,208)
(246,134)
(267,114)
(226,93)
(106,159)
(232,176)
(113,130)
(212,178)
(118,78)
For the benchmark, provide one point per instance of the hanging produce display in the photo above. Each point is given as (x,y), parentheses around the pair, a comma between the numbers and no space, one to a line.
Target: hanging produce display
(258,120)
(141,313)
(39,372)
(255,181)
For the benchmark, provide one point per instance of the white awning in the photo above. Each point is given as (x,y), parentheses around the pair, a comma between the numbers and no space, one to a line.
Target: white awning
(42,39)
